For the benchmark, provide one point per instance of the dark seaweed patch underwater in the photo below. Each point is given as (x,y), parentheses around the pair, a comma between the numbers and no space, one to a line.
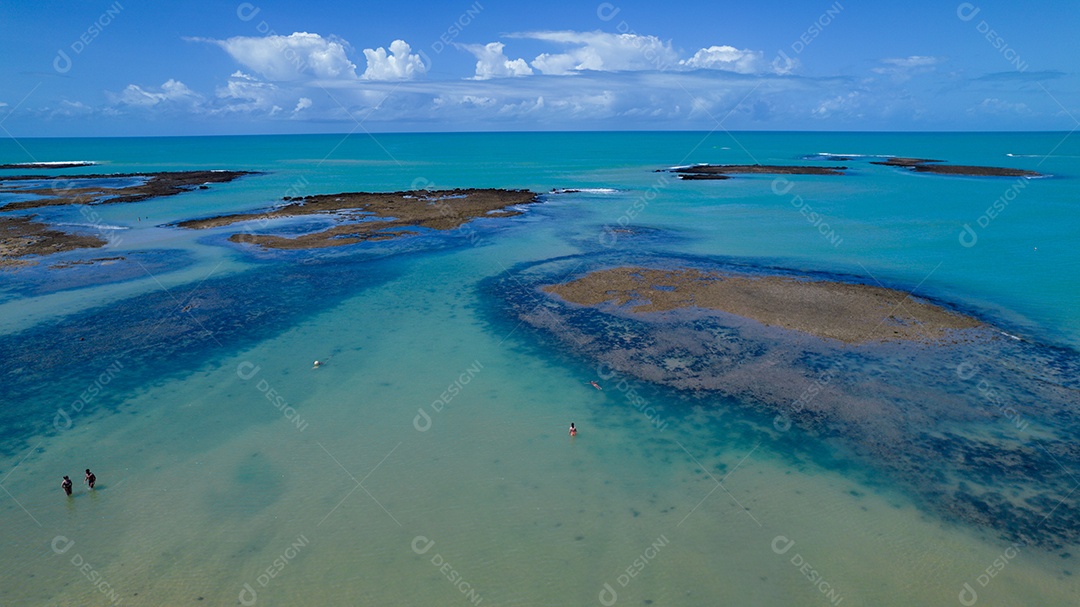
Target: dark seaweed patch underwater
(981,429)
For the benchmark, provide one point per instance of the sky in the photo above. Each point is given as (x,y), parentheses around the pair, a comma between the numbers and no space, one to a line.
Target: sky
(127,67)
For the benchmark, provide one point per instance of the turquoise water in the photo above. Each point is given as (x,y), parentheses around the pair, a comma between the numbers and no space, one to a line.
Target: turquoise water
(222,453)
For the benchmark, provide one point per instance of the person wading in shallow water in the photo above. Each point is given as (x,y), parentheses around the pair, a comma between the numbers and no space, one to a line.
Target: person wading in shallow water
(573,430)
(90,478)
(66,485)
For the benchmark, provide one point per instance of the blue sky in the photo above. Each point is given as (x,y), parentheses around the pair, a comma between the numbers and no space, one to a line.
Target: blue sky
(120,67)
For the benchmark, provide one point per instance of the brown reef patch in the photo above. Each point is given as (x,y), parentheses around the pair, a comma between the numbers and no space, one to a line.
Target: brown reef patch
(723,171)
(22,236)
(851,313)
(923,165)
(81,189)
(371,216)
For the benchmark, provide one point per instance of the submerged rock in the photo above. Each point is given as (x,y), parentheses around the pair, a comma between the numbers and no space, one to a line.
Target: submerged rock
(976,426)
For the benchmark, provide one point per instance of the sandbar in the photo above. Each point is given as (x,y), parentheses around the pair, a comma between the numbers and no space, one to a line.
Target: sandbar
(848,312)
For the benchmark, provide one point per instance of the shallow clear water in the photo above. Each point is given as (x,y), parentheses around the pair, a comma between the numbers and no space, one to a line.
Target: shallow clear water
(432,422)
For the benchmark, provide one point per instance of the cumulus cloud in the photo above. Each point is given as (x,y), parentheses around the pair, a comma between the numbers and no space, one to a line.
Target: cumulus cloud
(729,58)
(290,57)
(245,93)
(400,64)
(492,63)
(69,109)
(173,92)
(528,106)
(302,104)
(602,51)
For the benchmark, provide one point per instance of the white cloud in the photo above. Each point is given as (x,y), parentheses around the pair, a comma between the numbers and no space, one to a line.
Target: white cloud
(997,106)
(602,51)
(302,104)
(528,106)
(902,69)
(467,100)
(304,56)
(69,109)
(912,61)
(492,63)
(290,57)
(244,93)
(844,104)
(401,64)
(173,92)
(729,58)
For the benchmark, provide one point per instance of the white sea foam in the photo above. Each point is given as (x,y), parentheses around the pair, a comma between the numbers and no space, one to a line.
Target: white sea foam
(687,166)
(826,154)
(1041,156)
(56,163)
(585,190)
(96,226)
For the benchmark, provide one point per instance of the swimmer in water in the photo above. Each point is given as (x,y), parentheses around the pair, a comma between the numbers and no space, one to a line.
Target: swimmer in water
(596,385)
(66,485)
(90,478)
(573,430)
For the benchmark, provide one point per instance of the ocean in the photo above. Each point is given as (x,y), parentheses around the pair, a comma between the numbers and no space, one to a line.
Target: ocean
(427,461)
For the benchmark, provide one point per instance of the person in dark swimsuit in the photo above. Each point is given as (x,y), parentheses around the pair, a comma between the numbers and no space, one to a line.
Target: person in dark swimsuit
(66,485)
(573,430)
(90,478)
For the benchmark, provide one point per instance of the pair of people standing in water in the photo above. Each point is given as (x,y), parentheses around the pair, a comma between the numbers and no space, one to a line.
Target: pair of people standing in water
(90,480)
